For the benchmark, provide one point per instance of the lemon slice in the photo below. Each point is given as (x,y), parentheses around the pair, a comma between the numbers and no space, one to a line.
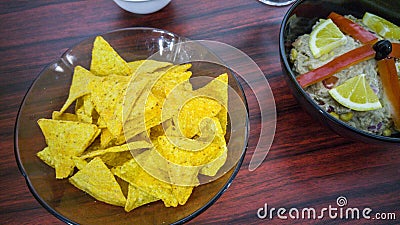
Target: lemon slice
(381,26)
(325,37)
(356,94)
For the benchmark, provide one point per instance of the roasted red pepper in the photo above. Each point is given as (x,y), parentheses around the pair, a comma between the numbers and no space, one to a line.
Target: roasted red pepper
(349,27)
(346,60)
(391,87)
(395,50)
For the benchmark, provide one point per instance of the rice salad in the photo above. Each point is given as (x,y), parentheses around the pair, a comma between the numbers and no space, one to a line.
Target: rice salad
(376,121)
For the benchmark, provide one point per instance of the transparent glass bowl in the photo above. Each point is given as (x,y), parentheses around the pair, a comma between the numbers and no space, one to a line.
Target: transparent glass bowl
(50,90)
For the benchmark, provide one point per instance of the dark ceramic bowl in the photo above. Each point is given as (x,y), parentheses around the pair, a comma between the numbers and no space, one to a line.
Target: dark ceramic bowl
(307,13)
(50,90)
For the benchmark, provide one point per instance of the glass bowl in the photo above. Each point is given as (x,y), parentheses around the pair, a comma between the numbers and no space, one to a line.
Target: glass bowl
(299,20)
(50,90)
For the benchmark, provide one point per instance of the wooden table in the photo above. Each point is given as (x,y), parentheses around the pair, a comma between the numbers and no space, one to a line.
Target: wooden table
(307,166)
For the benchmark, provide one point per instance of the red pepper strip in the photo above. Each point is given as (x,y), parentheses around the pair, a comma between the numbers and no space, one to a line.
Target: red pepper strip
(346,60)
(391,87)
(395,50)
(349,27)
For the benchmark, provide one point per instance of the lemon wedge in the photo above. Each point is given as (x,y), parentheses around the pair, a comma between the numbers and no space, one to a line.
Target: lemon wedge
(356,94)
(381,26)
(325,37)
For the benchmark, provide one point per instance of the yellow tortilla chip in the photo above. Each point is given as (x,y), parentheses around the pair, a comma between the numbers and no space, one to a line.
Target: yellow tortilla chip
(84,109)
(145,115)
(107,96)
(182,193)
(191,158)
(132,173)
(132,146)
(211,168)
(80,81)
(137,197)
(193,112)
(106,61)
(46,156)
(101,123)
(107,139)
(79,162)
(98,181)
(66,139)
(116,158)
(63,165)
(218,90)
(143,67)
(170,79)
(71,137)
(56,115)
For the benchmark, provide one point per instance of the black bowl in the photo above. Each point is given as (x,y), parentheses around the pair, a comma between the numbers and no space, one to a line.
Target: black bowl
(307,13)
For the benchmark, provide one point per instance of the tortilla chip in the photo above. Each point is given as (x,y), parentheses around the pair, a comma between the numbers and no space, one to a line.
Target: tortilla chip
(72,138)
(80,80)
(170,79)
(132,146)
(107,96)
(137,197)
(218,90)
(145,115)
(114,159)
(98,181)
(46,156)
(56,115)
(182,193)
(106,61)
(191,158)
(79,162)
(101,123)
(132,173)
(65,139)
(143,67)
(193,112)
(107,139)
(63,165)
(84,109)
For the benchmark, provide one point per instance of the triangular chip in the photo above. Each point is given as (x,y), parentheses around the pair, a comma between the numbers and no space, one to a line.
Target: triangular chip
(56,115)
(218,90)
(98,181)
(65,139)
(142,67)
(132,173)
(191,158)
(107,95)
(169,79)
(78,88)
(193,112)
(183,180)
(137,197)
(70,137)
(84,109)
(106,61)
(131,146)
(46,156)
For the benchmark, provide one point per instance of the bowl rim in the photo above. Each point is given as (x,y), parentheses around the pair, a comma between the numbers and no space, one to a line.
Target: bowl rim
(189,217)
(304,94)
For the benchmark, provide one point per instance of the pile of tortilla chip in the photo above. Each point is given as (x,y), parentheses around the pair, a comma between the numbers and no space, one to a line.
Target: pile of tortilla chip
(131,133)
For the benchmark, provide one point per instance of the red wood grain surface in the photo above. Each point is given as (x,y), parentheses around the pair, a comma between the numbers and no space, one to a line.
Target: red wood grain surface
(307,166)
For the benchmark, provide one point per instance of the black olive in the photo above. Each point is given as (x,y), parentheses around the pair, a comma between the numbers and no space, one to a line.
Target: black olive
(382,48)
